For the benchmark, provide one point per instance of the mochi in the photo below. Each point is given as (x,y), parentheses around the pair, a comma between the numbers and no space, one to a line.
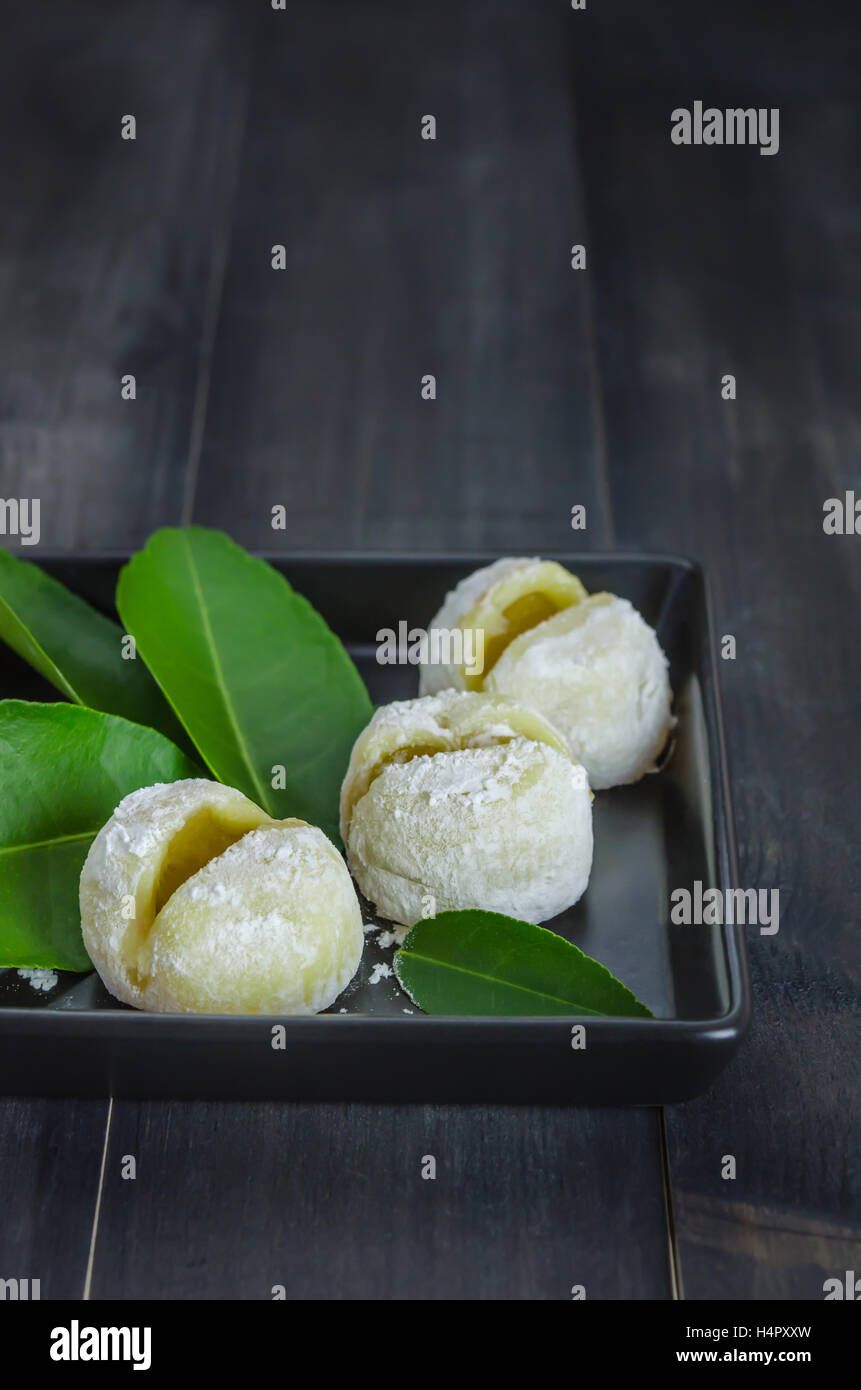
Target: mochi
(194,900)
(466,800)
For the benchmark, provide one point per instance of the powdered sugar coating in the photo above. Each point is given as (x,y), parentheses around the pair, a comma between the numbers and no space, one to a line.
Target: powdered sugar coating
(464,604)
(146,820)
(444,722)
(457,603)
(502,826)
(596,671)
(270,924)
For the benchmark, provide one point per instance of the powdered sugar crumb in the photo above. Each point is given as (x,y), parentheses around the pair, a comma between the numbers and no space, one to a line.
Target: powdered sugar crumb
(39,979)
(479,774)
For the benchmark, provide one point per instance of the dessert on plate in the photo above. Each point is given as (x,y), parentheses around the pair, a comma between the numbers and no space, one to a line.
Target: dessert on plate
(464,799)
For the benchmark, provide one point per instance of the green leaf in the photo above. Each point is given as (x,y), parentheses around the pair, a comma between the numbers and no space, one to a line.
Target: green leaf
(76,648)
(484,963)
(63,770)
(257,678)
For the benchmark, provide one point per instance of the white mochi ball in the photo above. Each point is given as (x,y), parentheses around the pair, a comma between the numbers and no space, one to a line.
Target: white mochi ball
(498,602)
(596,671)
(464,800)
(194,900)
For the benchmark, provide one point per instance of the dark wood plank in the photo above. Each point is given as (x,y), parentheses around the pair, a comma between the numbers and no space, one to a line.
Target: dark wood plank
(106,252)
(106,267)
(329,1201)
(50,1161)
(719,260)
(405,257)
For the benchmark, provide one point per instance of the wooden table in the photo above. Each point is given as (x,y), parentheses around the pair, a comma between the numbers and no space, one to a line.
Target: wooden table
(555,387)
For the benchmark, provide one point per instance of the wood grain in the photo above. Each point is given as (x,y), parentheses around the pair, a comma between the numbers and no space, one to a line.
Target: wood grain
(405,257)
(711,261)
(106,253)
(329,1202)
(105,261)
(50,1159)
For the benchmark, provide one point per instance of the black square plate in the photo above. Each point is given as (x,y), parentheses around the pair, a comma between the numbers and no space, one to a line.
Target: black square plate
(666,832)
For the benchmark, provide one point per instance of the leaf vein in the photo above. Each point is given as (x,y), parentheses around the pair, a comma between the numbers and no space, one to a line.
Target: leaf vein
(222,685)
(55,840)
(498,980)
